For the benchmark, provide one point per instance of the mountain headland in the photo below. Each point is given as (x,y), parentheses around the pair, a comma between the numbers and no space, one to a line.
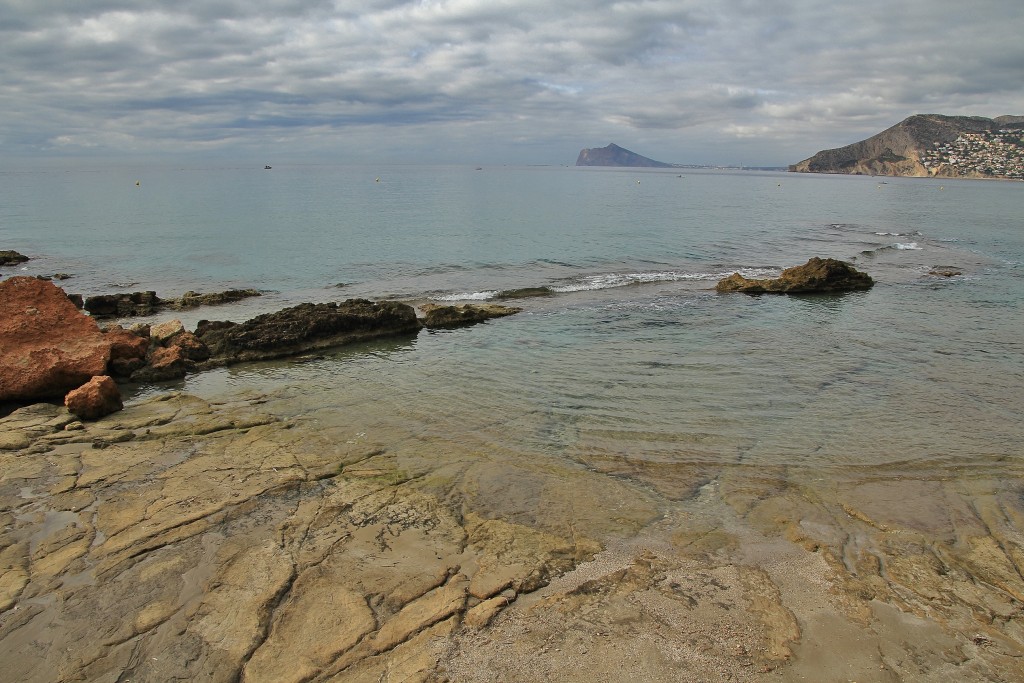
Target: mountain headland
(931,145)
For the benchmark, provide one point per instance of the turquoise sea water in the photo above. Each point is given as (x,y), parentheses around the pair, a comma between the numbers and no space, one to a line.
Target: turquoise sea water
(632,356)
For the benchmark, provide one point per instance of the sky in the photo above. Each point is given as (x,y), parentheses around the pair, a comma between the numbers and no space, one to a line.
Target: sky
(723,82)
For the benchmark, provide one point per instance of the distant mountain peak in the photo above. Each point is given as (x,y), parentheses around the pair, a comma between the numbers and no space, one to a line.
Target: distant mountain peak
(613,155)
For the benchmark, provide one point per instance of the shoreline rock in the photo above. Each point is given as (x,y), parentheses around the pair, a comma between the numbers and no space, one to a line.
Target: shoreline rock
(438,316)
(303,328)
(47,346)
(11,257)
(816,276)
(95,399)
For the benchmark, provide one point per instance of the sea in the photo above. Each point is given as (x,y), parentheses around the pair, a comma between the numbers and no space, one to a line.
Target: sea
(628,354)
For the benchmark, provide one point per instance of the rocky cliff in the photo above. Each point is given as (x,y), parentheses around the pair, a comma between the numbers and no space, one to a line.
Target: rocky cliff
(613,155)
(931,145)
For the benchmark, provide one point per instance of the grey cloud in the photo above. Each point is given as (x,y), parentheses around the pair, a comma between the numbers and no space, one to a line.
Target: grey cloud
(778,80)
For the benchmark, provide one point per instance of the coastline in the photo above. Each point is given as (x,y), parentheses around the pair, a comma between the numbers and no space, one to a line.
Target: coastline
(264,537)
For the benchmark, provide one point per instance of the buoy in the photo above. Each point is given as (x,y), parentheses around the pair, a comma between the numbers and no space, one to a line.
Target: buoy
(377,180)
(136,182)
(638,182)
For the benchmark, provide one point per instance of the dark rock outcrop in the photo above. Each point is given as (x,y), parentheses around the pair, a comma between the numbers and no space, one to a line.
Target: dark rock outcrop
(304,328)
(441,316)
(123,305)
(47,346)
(9,257)
(132,304)
(817,275)
(613,155)
(94,399)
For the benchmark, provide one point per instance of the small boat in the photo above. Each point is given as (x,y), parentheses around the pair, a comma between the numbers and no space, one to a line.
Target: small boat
(266,168)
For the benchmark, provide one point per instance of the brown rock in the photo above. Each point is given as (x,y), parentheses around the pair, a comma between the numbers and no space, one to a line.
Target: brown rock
(127,350)
(945,271)
(817,275)
(47,346)
(125,343)
(439,316)
(191,345)
(164,364)
(94,399)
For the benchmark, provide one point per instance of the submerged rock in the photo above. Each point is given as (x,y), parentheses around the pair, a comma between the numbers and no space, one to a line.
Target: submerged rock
(945,271)
(47,346)
(94,399)
(440,316)
(817,275)
(525,293)
(304,328)
(195,299)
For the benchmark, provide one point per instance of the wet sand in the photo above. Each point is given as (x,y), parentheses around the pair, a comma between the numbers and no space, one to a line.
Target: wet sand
(254,539)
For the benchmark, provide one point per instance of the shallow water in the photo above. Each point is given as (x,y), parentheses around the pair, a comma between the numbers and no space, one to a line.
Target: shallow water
(632,355)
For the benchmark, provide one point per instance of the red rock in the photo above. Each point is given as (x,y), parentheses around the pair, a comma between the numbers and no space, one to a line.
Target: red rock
(125,344)
(47,346)
(127,350)
(94,399)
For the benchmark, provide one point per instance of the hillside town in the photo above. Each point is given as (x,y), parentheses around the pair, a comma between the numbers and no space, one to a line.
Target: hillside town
(998,154)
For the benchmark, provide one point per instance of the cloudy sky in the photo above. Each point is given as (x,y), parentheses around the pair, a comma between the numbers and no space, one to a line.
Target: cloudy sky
(756,82)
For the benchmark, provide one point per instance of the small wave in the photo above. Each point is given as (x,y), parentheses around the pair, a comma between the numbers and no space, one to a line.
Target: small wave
(899,246)
(467,296)
(588,283)
(612,280)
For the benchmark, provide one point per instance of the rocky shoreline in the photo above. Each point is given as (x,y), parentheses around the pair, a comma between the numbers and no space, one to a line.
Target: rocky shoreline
(50,348)
(268,537)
